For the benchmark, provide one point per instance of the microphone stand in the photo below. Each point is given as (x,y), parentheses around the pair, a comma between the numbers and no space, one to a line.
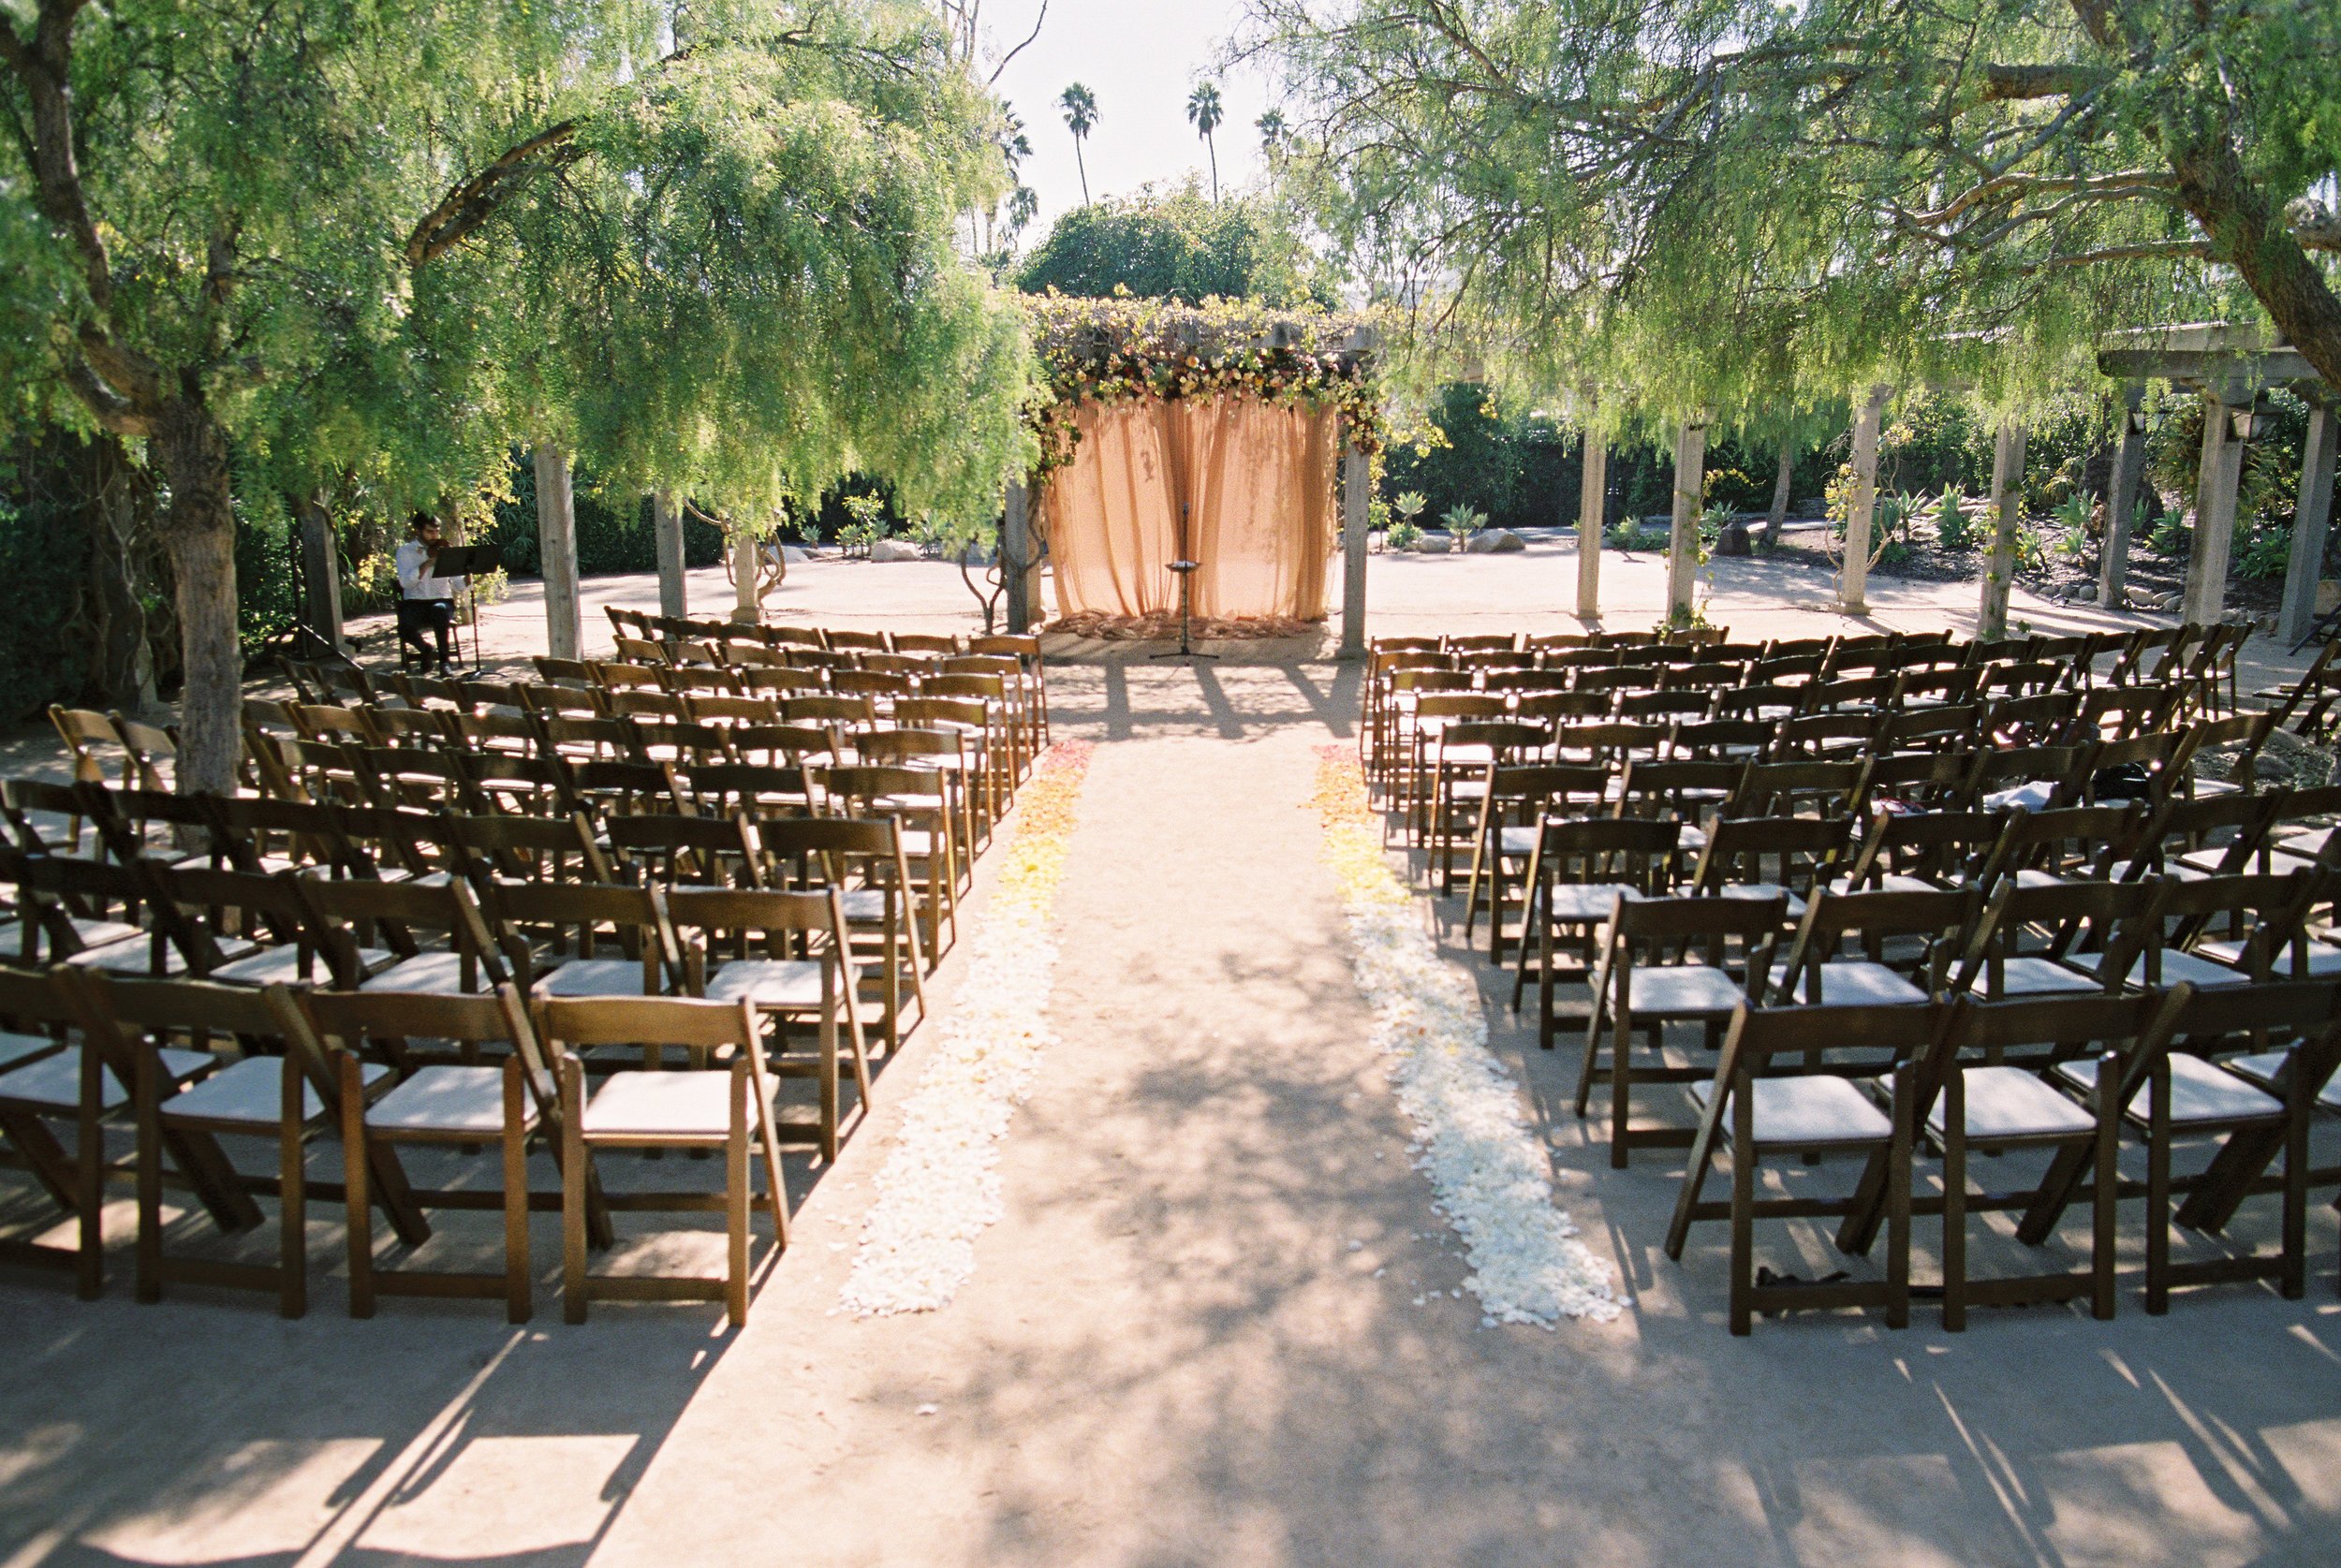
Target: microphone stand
(1186,570)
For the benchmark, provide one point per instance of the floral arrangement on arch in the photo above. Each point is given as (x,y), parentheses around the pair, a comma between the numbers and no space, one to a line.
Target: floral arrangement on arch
(1111,351)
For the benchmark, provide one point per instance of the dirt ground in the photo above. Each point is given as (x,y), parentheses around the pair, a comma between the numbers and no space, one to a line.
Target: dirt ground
(1192,1339)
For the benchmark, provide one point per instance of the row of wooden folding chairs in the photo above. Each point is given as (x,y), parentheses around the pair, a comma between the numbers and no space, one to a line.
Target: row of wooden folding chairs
(1784,722)
(461,936)
(187,1062)
(895,878)
(1473,773)
(2245,1068)
(2016,929)
(301,749)
(2191,665)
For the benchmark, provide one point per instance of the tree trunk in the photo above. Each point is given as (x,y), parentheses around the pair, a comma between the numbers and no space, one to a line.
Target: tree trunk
(198,532)
(1999,571)
(1690,487)
(114,504)
(2243,232)
(1781,480)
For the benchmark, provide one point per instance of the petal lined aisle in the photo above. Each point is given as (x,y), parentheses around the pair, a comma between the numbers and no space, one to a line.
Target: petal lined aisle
(940,1186)
(1491,1177)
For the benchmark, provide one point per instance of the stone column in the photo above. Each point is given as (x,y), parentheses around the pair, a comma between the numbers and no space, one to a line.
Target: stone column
(2121,499)
(1690,485)
(1015,552)
(1592,495)
(556,552)
(2309,524)
(1999,568)
(321,573)
(666,520)
(1357,479)
(1853,583)
(2215,481)
(747,607)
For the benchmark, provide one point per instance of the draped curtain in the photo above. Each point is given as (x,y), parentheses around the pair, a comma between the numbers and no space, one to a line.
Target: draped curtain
(1257,484)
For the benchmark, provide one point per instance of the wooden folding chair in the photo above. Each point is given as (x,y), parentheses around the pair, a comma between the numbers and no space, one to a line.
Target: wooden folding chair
(789,956)
(457,1106)
(44,1078)
(1909,944)
(718,1108)
(283,1087)
(667,850)
(1807,1114)
(1646,980)
(1577,871)
(2188,1095)
(583,939)
(864,859)
(1513,803)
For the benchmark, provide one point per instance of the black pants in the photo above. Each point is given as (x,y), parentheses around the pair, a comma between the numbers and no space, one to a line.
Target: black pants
(416,616)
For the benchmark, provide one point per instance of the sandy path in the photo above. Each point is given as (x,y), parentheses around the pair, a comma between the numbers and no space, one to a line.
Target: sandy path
(1169,1353)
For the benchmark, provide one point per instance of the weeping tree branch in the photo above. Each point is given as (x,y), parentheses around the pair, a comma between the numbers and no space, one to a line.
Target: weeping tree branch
(468,206)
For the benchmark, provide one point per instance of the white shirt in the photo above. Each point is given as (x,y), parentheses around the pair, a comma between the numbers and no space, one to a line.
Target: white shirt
(412,562)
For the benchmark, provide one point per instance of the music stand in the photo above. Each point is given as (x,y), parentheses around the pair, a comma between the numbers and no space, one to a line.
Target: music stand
(467,561)
(1185,571)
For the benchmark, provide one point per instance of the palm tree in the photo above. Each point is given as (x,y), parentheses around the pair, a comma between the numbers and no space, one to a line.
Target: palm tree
(1081,118)
(1273,132)
(1204,113)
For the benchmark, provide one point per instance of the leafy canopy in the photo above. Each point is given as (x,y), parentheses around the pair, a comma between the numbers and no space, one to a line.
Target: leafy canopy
(1179,246)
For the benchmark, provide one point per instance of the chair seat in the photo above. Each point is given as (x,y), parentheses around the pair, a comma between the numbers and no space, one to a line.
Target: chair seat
(251,1094)
(2264,1070)
(447,1100)
(2200,1093)
(1760,890)
(1812,1111)
(1580,903)
(2205,788)
(619,976)
(55,1082)
(16,1050)
(917,844)
(2028,876)
(676,1104)
(1684,990)
(2324,959)
(769,982)
(866,907)
(2197,971)
(2307,845)
(282,966)
(428,973)
(1845,982)
(1516,842)
(133,956)
(2004,1103)
(1891,882)
(2178,868)
(2033,975)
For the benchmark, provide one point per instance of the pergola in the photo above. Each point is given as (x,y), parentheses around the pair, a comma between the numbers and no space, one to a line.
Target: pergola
(1113,348)
(2231,366)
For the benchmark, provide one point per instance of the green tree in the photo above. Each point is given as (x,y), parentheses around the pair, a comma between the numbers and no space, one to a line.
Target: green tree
(252,241)
(1273,133)
(1179,246)
(1204,113)
(1080,117)
(1727,191)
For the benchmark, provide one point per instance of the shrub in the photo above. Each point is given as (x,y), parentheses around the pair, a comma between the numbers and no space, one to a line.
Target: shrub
(1403,533)
(1463,523)
(1952,526)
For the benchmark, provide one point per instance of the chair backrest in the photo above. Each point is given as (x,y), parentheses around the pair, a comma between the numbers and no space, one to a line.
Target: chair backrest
(1568,706)
(827,709)
(1796,853)
(1628,851)
(1684,790)
(2113,922)
(88,735)
(1798,788)
(1757,1036)
(1944,847)
(572,1022)
(1883,920)
(2266,911)
(937,642)
(387,1023)
(1668,929)
(392,912)
(716,850)
(265,1020)
(557,849)
(764,922)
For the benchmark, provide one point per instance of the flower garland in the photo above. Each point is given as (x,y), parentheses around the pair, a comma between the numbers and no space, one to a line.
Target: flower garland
(1111,351)
(940,1186)
(1485,1166)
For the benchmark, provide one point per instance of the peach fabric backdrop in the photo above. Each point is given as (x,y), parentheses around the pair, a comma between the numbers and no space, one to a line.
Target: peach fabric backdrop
(1259,481)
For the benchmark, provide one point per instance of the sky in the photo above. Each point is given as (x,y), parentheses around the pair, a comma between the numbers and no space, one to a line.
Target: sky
(1140,58)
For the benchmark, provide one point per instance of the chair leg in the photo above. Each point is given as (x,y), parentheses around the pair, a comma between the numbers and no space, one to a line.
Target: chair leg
(358,1190)
(1955,1212)
(518,1305)
(2159,1197)
(572,1192)
(1742,1213)
(2293,1278)
(89,1184)
(2104,1205)
(293,1218)
(828,1081)
(149,1271)
(736,1201)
